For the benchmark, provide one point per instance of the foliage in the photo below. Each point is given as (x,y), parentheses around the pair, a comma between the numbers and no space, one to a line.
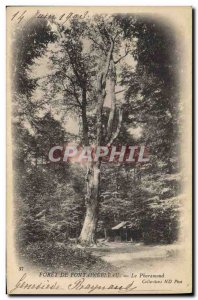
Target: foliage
(50,198)
(60,257)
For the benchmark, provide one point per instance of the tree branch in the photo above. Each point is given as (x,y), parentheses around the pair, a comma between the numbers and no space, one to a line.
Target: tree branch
(99,45)
(73,94)
(113,100)
(127,51)
(117,34)
(84,118)
(109,57)
(120,91)
(101,81)
(117,61)
(115,135)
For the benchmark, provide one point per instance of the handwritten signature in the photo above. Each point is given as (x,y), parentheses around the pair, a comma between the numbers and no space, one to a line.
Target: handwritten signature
(43,285)
(81,284)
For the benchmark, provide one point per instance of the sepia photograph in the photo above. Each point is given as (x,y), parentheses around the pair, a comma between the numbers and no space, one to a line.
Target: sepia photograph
(99,137)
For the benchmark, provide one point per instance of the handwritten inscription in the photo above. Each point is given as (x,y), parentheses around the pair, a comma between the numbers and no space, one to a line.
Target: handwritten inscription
(63,18)
(81,284)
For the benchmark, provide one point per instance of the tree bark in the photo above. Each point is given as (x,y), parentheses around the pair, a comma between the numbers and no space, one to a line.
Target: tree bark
(88,233)
(113,100)
(84,118)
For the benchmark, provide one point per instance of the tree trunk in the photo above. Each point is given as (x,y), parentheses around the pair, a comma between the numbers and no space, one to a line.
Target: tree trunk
(88,233)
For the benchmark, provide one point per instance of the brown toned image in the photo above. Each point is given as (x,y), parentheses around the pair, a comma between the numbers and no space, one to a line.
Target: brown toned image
(99,150)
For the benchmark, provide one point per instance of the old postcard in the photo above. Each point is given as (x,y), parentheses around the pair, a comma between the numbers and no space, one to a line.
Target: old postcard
(99,150)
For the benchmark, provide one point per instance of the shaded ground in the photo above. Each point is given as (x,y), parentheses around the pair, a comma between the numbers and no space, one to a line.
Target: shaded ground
(124,258)
(57,257)
(130,257)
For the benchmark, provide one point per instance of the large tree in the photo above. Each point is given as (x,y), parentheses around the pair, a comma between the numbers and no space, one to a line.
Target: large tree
(87,74)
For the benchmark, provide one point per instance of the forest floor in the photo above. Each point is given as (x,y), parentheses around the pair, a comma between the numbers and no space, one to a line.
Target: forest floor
(124,258)
(129,257)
